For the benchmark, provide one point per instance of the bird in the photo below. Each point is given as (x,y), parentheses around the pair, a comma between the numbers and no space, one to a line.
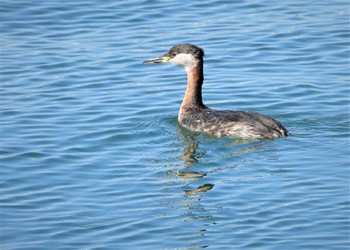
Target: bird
(197,117)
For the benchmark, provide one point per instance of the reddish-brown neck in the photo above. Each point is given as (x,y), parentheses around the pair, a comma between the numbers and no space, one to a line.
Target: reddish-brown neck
(193,94)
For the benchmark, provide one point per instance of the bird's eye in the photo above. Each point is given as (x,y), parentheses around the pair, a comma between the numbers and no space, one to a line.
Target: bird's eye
(173,54)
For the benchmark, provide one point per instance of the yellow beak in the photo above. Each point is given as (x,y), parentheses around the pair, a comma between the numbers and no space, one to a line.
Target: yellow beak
(161,59)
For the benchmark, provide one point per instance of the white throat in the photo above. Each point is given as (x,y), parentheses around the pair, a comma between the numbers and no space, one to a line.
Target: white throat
(186,60)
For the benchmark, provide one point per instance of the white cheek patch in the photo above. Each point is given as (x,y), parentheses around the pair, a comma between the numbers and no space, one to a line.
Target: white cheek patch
(186,60)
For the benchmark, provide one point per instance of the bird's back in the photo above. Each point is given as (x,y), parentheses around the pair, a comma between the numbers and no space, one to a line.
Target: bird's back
(235,124)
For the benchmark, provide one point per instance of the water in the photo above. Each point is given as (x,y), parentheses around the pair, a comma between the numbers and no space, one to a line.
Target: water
(92,156)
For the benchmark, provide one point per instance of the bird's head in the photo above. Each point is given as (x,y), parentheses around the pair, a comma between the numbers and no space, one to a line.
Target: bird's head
(186,55)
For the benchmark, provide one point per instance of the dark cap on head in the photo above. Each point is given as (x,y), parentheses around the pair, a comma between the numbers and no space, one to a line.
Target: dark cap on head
(187,49)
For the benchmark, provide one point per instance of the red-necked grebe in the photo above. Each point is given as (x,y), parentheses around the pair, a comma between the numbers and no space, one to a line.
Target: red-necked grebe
(195,116)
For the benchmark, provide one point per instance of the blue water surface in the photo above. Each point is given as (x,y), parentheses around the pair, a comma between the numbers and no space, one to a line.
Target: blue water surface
(92,156)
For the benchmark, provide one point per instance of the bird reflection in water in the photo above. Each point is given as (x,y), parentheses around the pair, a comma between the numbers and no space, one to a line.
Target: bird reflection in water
(199,189)
(194,184)
(191,156)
